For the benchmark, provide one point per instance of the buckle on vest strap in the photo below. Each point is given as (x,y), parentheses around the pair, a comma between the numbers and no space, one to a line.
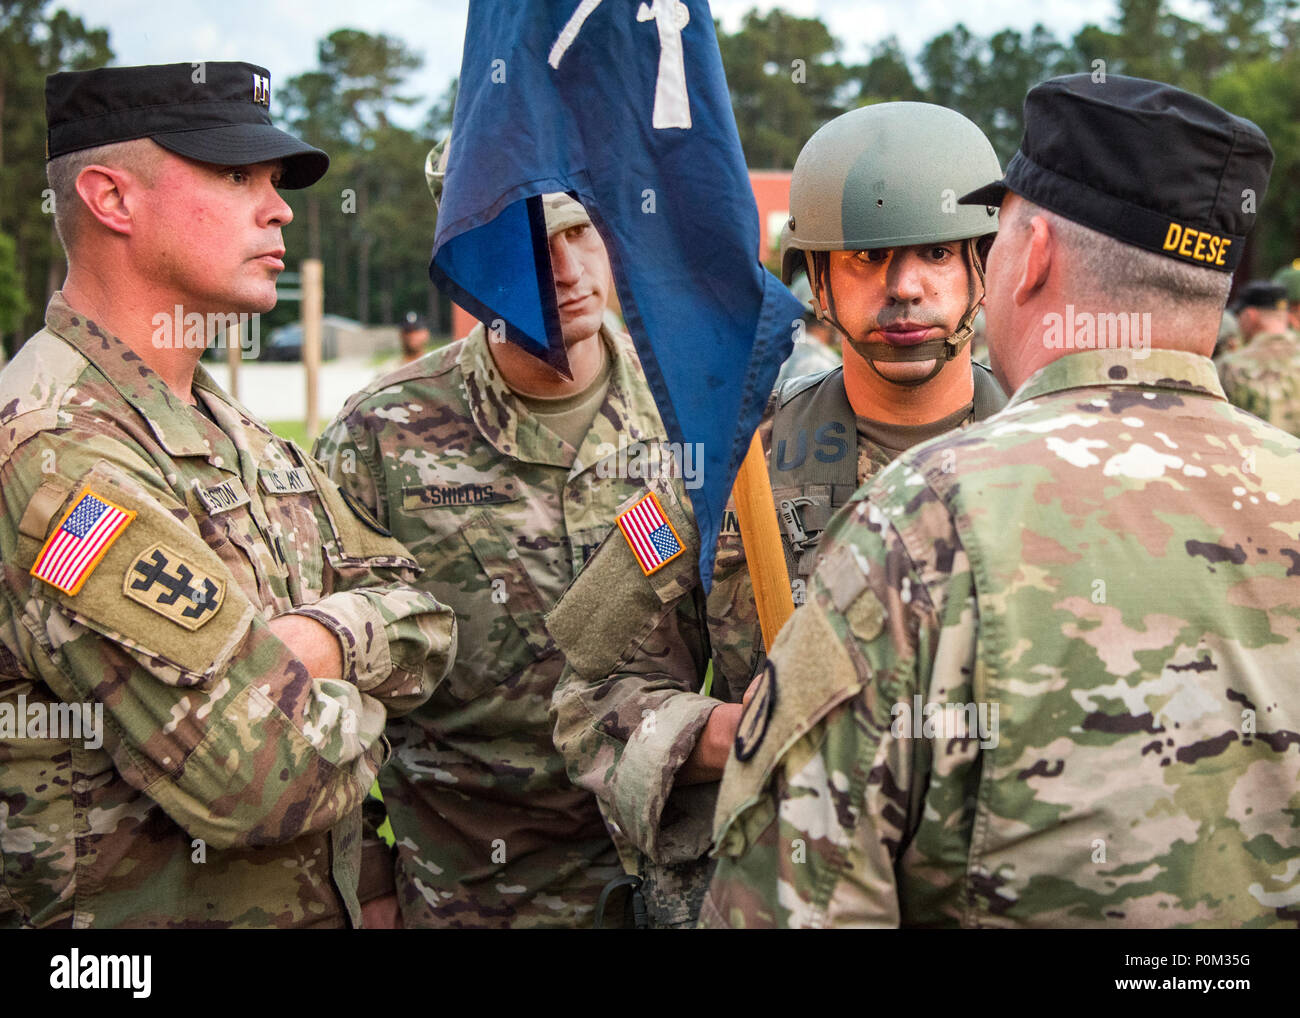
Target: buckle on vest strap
(788,511)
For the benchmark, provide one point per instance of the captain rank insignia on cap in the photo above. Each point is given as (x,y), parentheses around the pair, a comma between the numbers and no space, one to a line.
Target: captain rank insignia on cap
(651,537)
(262,89)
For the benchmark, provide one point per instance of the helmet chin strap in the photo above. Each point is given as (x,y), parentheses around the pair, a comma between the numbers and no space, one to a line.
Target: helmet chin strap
(941,351)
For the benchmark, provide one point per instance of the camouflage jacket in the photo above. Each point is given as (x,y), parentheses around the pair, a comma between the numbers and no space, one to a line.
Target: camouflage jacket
(501,514)
(228,785)
(1045,677)
(1264,379)
(629,710)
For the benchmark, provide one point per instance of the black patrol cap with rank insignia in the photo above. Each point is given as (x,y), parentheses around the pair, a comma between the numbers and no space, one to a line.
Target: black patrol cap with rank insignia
(218,112)
(1140,161)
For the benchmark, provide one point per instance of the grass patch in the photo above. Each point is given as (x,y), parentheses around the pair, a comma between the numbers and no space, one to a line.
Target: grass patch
(295,431)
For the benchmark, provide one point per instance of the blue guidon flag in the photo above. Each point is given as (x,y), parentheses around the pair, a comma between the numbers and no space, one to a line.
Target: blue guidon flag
(624,106)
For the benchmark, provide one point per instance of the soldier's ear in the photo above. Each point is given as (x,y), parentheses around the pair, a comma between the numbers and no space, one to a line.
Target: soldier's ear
(1038,251)
(104,190)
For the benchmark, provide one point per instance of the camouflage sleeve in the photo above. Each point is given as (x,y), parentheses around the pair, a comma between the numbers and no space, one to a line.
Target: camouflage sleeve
(210,715)
(351,457)
(811,825)
(735,635)
(627,708)
(373,595)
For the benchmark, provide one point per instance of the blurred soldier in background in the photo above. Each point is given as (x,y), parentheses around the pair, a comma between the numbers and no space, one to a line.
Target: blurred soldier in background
(1263,376)
(1289,277)
(413,336)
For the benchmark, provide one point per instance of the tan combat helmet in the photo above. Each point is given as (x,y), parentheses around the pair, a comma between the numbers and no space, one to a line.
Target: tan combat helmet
(890,175)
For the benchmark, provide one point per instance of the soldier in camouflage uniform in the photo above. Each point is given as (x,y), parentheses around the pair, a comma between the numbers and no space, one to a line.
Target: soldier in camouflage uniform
(169,565)
(1263,376)
(1045,676)
(897,271)
(1289,278)
(502,478)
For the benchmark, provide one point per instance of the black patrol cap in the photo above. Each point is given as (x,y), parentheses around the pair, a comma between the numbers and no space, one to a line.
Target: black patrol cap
(1140,161)
(1261,293)
(218,112)
(413,322)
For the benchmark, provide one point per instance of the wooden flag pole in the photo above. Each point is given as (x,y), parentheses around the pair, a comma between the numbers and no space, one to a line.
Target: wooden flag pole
(313,306)
(761,534)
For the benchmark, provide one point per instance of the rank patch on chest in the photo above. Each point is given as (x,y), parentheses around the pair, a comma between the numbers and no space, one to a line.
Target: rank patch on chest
(651,537)
(285,481)
(81,539)
(221,498)
(162,581)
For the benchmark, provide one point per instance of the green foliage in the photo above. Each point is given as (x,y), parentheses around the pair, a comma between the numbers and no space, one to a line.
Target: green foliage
(1266,91)
(371,218)
(13,302)
(294,431)
(34,42)
(1242,54)
(783,76)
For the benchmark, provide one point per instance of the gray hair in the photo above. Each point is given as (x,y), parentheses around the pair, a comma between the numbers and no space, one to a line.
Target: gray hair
(140,156)
(1101,265)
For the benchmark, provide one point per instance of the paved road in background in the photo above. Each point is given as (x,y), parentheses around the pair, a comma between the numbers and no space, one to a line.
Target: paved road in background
(278,392)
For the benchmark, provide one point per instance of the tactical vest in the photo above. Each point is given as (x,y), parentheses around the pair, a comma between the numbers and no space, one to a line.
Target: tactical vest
(813,463)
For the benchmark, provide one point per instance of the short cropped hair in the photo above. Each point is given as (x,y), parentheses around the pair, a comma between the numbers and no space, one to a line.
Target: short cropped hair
(141,156)
(1102,265)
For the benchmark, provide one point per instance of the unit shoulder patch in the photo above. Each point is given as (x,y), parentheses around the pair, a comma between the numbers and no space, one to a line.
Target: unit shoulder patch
(757,715)
(164,582)
(364,514)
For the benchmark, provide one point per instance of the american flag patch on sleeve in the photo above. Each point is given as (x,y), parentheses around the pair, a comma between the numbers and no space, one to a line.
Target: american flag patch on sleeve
(652,538)
(80,541)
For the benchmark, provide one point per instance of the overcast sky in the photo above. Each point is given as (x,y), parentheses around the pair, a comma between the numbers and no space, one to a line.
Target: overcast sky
(282,34)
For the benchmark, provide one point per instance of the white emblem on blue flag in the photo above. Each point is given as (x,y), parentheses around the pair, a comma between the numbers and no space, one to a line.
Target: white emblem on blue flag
(672,102)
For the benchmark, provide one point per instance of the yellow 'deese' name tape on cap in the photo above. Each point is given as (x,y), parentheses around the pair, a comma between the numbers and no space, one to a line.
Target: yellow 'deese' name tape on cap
(1198,245)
